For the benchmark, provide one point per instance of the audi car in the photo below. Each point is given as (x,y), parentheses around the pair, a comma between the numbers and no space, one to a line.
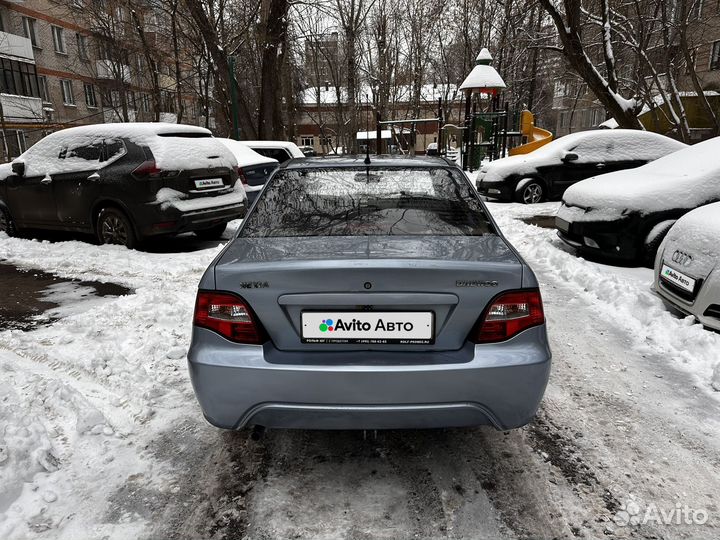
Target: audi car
(551,169)
(625,215)
(687,265)
(369,294)
(123,183)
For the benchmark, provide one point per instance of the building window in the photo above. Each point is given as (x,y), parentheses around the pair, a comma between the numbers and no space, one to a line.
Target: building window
(715,56)
(90,99)
(563,119)
(144,103)
(59,39)
(18,78)
(29,30)
(307,140)
(82,46)
(67,92)
(15,143)
(43,87)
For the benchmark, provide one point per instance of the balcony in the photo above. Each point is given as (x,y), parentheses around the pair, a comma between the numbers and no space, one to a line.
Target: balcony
(21,108)
(107,69)
(16,47)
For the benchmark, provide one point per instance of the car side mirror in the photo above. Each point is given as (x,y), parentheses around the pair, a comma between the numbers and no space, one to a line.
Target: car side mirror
(18,167)
(570,156)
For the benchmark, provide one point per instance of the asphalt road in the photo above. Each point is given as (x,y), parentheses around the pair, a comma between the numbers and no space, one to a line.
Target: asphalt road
(617,431)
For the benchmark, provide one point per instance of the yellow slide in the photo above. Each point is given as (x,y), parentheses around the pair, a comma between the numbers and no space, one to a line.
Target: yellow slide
(533,137)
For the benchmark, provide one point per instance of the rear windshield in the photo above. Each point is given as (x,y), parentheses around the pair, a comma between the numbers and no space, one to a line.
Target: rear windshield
(367,202)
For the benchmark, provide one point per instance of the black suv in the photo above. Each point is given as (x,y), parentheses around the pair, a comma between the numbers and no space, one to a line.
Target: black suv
(123,183)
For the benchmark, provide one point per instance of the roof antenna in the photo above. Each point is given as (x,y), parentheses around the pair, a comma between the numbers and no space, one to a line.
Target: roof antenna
(367,132)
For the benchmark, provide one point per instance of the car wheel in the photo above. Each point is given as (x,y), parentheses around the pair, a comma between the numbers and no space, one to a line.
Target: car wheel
(531,192)
(113,227)
(652,242)
(7,225)
(213,233)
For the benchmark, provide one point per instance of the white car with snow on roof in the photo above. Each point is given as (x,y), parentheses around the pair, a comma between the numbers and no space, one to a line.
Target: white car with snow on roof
(253,169)
(687,266)
(548,171)
(123,183)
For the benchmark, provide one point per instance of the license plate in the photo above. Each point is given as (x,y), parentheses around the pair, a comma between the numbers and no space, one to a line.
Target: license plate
(561,224)
(373,327)
(209,183)
(678,279)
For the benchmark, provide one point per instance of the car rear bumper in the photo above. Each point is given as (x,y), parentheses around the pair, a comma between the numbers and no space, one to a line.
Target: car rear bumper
(174,221)
(497,384)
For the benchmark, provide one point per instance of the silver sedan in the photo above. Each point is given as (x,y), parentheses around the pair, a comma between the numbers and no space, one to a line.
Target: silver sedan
(369,296)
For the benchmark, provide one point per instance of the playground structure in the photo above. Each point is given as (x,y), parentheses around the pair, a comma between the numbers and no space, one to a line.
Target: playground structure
(490,134)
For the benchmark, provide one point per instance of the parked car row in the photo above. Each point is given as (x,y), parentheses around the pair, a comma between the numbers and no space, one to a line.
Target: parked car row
(128,182)
(630,197)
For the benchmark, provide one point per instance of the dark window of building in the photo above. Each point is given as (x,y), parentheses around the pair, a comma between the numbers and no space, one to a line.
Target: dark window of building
(59,39)
(18,78)
(29,30)
(67,92)
(90,99)
(44,90)
(715,56)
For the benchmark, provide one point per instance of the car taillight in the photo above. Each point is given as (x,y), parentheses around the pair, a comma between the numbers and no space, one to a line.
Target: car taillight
(147,169)
(509,314)
(228,315)
(241,176)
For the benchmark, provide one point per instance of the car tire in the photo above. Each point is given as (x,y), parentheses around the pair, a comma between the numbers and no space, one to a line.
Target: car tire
(652,242)
(213,233)
(114,227)
(7,225)
(529,191)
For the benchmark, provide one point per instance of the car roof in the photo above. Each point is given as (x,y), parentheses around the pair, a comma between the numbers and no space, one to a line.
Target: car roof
(130,129)
(287,145)
(353,161)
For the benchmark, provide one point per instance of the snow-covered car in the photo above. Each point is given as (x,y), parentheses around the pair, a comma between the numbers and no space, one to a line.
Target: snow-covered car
(626,214)
(123,183)
(687,266)
(548,171)
(282,151)
(253,169)
(308,151)
(368,297)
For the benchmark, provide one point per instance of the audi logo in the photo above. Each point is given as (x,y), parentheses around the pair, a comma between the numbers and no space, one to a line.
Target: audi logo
(680,257)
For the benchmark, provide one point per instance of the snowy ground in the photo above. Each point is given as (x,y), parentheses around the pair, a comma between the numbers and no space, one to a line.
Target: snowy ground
(100,435)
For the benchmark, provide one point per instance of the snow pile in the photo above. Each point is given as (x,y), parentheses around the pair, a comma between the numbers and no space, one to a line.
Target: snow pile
(684,179)
(82,398)
(620,296)
(195,148)
(595,146)
(246,156)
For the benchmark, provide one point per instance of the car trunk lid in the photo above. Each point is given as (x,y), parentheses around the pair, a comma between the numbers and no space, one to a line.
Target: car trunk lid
(447,280)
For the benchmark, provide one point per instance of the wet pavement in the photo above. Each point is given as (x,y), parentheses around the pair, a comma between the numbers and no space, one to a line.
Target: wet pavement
(31,297)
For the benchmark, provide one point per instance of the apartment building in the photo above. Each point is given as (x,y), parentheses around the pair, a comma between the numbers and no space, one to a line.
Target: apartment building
(77,62)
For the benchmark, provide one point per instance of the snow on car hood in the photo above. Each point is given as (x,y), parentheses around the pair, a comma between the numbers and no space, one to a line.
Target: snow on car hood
(687,178)
(697,233)
(499,169)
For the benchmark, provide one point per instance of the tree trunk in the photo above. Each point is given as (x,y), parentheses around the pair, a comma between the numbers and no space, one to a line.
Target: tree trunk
(273,37)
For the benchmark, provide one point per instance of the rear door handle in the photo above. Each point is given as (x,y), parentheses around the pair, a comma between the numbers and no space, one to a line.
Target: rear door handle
(47,180)
(94,176)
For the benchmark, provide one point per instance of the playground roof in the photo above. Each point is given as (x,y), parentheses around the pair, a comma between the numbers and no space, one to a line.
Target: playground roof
(483,78)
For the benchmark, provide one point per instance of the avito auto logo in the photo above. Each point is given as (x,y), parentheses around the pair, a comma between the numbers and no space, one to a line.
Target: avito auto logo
(328,325)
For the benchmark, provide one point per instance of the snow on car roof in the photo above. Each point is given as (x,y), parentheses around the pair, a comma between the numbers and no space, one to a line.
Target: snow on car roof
(685,179)
(245,155)
(591,146)
(174,146)
(291,146)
